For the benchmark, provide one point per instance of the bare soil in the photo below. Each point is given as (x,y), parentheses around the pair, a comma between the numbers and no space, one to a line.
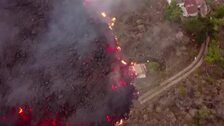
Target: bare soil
(198,100)
(145,35)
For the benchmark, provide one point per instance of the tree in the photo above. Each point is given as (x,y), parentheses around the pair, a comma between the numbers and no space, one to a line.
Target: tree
(173,12)
(197,27)
(218,12)
(193,25)
(213,52)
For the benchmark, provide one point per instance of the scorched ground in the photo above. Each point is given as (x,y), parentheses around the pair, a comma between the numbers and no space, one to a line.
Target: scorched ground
(59,66)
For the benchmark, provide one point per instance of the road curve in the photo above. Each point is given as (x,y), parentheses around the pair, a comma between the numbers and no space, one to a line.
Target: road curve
(165,85)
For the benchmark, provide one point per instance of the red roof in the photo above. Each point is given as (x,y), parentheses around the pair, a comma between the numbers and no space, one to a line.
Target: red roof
(191,6)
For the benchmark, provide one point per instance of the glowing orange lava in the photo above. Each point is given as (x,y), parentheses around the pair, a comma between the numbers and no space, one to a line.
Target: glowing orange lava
(111,23)
(124,62)
(103,14)
(119,123)
(20,110)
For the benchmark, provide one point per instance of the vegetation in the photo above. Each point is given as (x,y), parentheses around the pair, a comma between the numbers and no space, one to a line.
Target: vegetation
(209,2)
(218,12)
(173,12)
(202,114)
(182,90)
(213,52)
(198,27)
(152,67)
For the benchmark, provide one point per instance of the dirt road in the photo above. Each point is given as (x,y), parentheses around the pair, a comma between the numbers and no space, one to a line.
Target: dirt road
(149,95)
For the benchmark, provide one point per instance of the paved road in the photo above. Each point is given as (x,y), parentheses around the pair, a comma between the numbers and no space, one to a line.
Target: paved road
(167,84)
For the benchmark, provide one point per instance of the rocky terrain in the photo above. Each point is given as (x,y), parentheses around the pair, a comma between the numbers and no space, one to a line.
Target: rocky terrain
(145,37)
(197,100)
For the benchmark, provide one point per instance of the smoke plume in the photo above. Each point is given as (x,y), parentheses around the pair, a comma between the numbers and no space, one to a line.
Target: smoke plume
(53,59)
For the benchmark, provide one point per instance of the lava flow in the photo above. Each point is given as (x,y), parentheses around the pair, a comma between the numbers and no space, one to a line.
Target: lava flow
(94,89)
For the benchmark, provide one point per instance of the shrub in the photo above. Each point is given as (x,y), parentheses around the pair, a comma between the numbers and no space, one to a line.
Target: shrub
(173,12)
(213,52)
(200,28)
(197,27)
(218,12)
(152,67)
(202,114)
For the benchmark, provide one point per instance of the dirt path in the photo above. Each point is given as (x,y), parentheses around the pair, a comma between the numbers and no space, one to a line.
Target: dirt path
(176,78)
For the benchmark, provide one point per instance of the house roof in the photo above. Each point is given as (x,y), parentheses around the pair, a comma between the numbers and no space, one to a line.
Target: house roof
(191,6)
(199,2)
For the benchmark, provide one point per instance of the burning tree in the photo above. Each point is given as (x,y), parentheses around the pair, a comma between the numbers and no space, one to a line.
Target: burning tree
(57,87)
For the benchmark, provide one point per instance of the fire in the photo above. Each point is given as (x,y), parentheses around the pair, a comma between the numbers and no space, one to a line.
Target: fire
(103,14)
(108,118)
(133,63)
(20,110)
(110,21)
(119,48)
(114,19)
(124,62)
(25,113)
(114,86)
(119,123)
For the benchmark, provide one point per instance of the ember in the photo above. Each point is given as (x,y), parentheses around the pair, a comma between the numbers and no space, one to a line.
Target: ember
(104,14)
(124,62)
(20,110)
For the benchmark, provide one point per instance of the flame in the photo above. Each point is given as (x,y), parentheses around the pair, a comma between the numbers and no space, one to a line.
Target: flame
(122,82)
(110,21)
(133,63)
(110,27)
(119,48)
(114,19)
(119,123)
(114,86)
(108,118)
(124,62)
(103,14)
(20,110)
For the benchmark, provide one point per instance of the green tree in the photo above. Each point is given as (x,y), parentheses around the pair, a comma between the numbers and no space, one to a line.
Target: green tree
(218,12)
(193,25)
(173,12)
(213,52)
(197,27)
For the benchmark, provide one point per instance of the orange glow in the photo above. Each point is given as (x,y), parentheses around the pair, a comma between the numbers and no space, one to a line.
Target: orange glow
(120,123)
(123,62)
(20,110)
(104,14)
(119,48)
(110,27)
(133,63)
(114,86)
(114,19)
(112,24)
(108,118)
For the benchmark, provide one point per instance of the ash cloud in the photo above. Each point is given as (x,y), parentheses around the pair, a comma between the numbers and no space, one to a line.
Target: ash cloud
(52,57)
(114,6)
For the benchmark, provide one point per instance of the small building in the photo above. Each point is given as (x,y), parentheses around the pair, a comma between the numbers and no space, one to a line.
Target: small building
(193,7)
(139,70)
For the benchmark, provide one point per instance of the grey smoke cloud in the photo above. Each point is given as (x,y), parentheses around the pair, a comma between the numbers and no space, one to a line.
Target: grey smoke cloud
(113,5)
(43,53)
